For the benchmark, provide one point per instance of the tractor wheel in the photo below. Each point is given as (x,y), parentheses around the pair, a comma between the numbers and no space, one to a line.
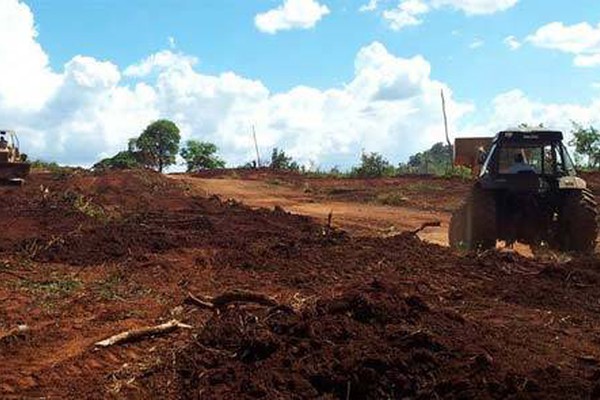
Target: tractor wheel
(578,222)
(473,225)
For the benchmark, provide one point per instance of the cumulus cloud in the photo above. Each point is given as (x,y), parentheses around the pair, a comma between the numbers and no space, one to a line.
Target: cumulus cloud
(581,40)
(26,80)
(390,105)
(511,108)
(476,7)
(292,14)
(370,6)
(512,42)
(407,13)
(411,12)
(91,107)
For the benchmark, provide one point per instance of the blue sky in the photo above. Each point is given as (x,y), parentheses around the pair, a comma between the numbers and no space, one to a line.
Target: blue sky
(463,44)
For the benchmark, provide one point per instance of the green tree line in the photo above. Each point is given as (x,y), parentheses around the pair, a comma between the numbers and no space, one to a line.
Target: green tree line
(159,144)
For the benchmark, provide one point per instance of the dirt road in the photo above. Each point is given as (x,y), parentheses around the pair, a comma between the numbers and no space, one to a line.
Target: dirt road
(358,218)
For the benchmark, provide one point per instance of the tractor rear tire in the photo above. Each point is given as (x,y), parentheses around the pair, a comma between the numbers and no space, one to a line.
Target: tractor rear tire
(473,225)
(578,222)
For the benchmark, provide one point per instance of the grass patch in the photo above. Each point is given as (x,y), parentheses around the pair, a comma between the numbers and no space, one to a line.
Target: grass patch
(56,287)
(109,289)
(424,187)
(392,199)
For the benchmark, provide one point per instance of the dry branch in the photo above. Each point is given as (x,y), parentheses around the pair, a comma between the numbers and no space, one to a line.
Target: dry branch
(136,334)
(234,296)
(191,299)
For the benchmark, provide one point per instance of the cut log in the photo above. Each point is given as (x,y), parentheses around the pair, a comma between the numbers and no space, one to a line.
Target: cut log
(136,334)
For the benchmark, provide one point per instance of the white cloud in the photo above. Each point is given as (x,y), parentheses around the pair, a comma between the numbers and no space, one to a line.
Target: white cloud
(26,80)
(411,12)
(514,107)
(512,42)
(159,61)
(407,13)
(581,40)
(391,105)
(477,43)
(476,7)
(292,14)
(370,6)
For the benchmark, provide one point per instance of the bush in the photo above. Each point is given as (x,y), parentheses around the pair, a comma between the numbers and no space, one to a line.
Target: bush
(459,171)
(122,160)
(373,165)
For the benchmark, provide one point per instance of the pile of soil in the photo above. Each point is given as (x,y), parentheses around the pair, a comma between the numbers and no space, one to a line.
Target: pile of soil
(363,317)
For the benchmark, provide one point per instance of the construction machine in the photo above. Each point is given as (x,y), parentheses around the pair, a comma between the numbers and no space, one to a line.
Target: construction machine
(13,166)
(526,191)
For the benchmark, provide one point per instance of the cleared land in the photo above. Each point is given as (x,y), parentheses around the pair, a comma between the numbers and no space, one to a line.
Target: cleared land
(363,314)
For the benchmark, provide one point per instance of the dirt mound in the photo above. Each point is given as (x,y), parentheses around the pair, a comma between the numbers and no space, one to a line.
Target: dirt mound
(372,341)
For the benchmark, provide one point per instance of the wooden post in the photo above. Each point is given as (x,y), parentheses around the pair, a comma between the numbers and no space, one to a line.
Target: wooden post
(256,147)
(445,118)
(446,128)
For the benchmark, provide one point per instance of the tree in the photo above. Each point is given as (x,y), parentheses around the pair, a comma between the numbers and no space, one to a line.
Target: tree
(587,143)
(158,144)
(373,165)
(279,160)
(201,155)
(436,160)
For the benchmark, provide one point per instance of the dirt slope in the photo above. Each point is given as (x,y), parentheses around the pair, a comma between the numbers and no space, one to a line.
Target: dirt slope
(364,317)
(355,209)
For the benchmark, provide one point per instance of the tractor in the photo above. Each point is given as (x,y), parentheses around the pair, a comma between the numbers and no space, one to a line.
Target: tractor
(527,191)
(13,166)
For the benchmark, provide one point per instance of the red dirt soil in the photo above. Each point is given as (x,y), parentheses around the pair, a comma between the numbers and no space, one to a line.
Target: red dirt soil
(365,317)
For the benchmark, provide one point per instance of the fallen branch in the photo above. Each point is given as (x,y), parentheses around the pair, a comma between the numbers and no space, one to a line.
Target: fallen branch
(14,332)
(136,334)
(191,299)
(234,296)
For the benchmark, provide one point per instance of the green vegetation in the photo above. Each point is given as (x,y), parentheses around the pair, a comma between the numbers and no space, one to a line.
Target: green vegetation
(158,144)
(201,155)
(437,160)
(373,165)
(155,148)
(57,286)
(122,160)
(587,145)
(281,161)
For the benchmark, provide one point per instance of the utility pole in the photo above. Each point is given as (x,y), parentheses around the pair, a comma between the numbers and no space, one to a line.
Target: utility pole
(256,147)
(445,118)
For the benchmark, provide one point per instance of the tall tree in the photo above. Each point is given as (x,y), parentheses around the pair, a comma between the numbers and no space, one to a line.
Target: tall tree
(159,144)
(201,155)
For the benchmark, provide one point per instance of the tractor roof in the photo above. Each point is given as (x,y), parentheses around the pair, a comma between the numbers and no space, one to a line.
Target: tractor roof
(525,135)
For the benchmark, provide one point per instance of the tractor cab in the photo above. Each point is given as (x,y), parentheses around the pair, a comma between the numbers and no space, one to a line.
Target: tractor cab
(528,160)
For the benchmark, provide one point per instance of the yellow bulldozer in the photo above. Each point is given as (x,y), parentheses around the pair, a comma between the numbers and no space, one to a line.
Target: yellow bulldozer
(14,167)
